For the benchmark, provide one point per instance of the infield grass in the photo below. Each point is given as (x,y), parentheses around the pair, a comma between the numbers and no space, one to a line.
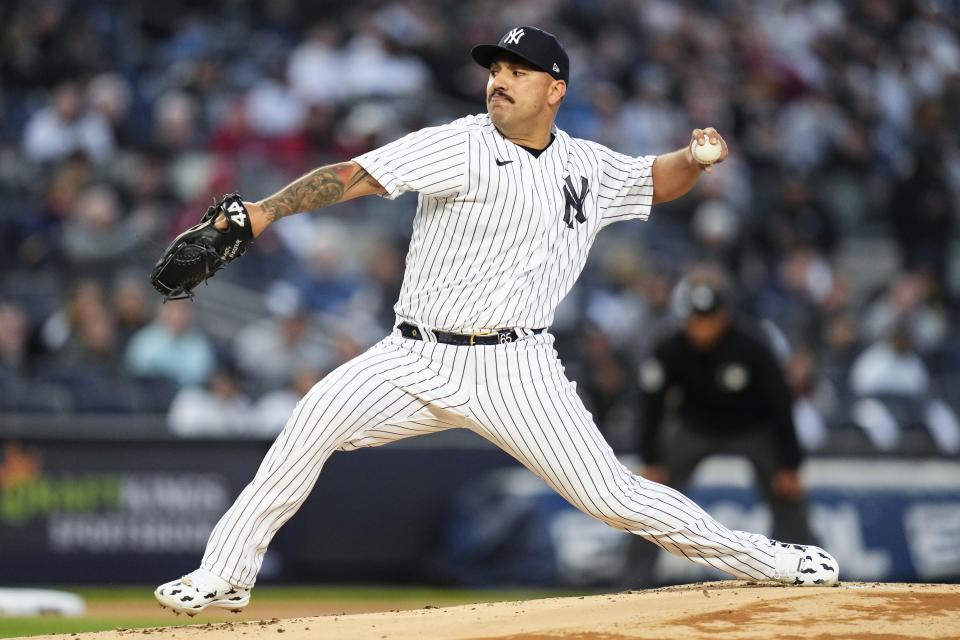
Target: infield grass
(134,607)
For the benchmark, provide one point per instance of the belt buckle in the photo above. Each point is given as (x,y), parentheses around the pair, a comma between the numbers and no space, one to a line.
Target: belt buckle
(474,336)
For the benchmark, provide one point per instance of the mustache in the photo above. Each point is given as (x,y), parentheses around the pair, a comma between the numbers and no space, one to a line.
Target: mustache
(501,94)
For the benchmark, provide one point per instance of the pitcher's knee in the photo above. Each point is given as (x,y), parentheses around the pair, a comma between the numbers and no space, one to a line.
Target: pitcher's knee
(617,507)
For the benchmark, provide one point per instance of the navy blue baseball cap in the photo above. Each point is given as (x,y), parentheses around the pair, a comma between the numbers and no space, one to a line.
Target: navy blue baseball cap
(540,49)
(698,298)
(705,299)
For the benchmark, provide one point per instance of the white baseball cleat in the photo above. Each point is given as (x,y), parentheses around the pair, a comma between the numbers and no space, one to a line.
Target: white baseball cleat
(805,566)
(198,590)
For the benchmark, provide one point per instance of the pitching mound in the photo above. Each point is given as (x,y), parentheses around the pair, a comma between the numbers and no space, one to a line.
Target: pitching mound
(711,611)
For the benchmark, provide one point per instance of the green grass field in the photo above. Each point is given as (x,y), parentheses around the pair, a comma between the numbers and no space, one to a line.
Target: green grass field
(134,607)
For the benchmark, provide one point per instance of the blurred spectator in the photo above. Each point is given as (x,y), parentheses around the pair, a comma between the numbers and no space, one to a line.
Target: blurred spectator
(803,293)
(716,227)
(147,179)
(93,346)
(896,394)
(269,262)
(384,270)
(86,300)
(63,127)
(607,388)
(891,365)
(815,125)
(375,66)
(311,65)
(44,44)
(650,121)
(232,135)
(923,210)
(13,338)
(324,281)
(131,306)
(658,316)
(171,347)
(176,126)
(272,411)
(842,338)
(814,399)
(218,409)
(273,108)
(800,220)
(69,179)
(35,234)
(909,301)
(327,138)
(96,235)
(366,125)
(268,351)
(606,126)
(109,97)
(616,308)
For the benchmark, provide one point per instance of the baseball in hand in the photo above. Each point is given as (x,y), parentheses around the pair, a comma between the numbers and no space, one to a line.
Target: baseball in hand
(708,152)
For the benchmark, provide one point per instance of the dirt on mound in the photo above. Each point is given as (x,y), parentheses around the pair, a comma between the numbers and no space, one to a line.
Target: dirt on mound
(728,610)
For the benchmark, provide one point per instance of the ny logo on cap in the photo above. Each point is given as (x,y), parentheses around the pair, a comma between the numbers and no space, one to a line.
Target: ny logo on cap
(556,68)
(513,37)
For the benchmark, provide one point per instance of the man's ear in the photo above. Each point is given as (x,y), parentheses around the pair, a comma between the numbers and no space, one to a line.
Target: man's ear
(557,92)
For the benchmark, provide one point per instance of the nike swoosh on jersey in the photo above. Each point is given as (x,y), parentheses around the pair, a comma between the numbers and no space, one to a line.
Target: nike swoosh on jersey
(500,162)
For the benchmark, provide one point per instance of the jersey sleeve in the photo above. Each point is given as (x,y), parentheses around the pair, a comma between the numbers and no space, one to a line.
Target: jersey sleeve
(430,161)
(626,186)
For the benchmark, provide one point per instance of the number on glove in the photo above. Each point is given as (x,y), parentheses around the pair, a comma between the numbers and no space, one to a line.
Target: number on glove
(238,217)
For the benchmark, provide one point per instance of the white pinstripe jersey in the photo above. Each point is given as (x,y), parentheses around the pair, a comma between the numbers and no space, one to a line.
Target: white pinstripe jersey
(500,235)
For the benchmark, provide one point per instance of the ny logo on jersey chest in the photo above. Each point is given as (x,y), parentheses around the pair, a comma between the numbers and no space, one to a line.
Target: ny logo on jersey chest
(574,201)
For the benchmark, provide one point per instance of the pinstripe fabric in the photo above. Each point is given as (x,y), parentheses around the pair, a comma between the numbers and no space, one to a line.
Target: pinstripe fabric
(388,393)
(499,238)
(490,248)
(527,407)
(516,396)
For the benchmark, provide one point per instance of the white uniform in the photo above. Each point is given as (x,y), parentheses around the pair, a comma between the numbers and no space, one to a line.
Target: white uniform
(499,238)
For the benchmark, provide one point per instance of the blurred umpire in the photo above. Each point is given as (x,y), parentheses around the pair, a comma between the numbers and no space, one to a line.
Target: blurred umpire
(727,394)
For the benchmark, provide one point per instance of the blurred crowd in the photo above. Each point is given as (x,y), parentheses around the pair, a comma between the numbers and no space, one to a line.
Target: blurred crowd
(120,122)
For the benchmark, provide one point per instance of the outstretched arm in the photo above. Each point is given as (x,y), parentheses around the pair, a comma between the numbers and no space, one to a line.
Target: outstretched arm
(321,187)
(675,173)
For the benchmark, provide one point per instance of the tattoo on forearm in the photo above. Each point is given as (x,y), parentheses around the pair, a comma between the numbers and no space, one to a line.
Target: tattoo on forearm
(320,188)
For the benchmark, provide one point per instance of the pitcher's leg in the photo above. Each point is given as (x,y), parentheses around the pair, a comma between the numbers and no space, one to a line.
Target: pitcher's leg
(532,411)
(679,461)
(365,393)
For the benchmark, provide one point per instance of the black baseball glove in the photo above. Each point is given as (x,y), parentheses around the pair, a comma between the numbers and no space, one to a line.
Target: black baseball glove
(202,250)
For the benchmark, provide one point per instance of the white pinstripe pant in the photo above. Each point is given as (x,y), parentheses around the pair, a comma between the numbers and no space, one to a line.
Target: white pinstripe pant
(514,395)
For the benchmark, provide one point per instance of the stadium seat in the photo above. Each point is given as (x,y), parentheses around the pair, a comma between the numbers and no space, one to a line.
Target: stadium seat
(108,396)
(156,393)
(28,396)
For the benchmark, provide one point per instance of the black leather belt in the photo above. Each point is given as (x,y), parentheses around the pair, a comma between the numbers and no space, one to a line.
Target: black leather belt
(503,336)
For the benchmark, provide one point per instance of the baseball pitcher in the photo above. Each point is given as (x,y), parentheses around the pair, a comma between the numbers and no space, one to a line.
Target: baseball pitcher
(509,206)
